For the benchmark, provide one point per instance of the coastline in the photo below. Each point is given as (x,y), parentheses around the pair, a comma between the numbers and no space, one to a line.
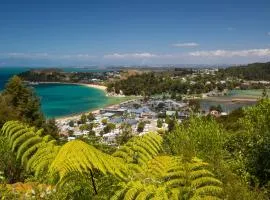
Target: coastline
(76,116)
(100,87)
(113,100)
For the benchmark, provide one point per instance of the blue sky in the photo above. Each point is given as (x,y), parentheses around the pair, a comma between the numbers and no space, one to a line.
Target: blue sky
(99,32)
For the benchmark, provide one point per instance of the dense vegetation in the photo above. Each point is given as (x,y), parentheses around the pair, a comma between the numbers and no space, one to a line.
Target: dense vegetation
(198,159)
(151,83)
(255,71)
(201,158)
(19,102)
(57,75)
(191,82)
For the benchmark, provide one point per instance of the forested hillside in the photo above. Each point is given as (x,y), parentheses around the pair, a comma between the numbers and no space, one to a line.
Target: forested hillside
(255,71)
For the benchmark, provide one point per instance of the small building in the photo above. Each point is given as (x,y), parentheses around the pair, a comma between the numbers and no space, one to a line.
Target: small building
(108,115)
(119,111)
(170,113)
(71,138)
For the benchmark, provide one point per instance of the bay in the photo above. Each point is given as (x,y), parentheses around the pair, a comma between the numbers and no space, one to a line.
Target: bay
(58,100)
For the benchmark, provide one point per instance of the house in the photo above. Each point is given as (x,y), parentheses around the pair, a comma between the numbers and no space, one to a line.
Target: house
(131,121)
(116,120)
(108,115)
(170,113)
(143,112)
(71,138)
(168,104)
(119,111)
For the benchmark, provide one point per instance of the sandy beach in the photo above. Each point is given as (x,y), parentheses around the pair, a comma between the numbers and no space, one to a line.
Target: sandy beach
(77,116)
(100,87)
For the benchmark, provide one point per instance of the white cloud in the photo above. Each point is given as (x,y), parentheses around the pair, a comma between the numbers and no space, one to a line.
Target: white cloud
(25,55)
(130,55)
(17,55)
(227,53)
(188,44)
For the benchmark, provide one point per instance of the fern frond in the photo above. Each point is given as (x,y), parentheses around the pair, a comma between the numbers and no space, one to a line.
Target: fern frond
(19,140)
(141,149)
(202,181)
(28,144)
(79,156)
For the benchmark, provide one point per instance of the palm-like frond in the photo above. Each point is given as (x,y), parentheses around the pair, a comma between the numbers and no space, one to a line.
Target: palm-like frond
(139,150)
(34,151)
(143,174)
(79,156)
(167,177)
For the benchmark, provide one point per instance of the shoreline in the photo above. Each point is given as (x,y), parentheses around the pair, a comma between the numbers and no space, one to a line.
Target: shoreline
(77,116)
(103,88)
(100,87)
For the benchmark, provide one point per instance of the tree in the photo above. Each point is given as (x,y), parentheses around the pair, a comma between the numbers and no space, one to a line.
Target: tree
(256,147)
(23,101)
(84,127)
(179,98)
(198,137)
(264,93)
(140,126)
(71,123)
(125,135)
(91,117)
(109,127)
(83,119)
(9,166)
(159,123)
(173,95)
(194,105)
(51,128)
(7,112)
(104,121)
(172,124)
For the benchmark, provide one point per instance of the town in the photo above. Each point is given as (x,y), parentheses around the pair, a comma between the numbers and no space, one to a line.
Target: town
(127,119)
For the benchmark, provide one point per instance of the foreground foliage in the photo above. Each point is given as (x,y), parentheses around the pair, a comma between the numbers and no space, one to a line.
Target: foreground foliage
(199,159)
(141,171)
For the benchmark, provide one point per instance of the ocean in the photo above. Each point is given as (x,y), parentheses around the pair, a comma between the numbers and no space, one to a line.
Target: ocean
(58,100)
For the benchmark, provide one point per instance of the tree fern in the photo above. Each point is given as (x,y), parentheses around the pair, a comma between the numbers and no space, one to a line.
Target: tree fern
(32,141)
(142,173)
(139,150)
(79,156)
(168,177)
(34,151)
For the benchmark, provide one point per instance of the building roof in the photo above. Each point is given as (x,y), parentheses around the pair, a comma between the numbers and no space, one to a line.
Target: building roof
(107,114)
(170,113)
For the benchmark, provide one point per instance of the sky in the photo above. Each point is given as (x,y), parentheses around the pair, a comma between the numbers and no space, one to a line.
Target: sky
(138,32)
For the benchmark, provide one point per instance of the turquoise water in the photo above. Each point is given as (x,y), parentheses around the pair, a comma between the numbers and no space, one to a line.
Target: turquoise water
(226,106)
(255,93)
(229,105)
(59,100)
